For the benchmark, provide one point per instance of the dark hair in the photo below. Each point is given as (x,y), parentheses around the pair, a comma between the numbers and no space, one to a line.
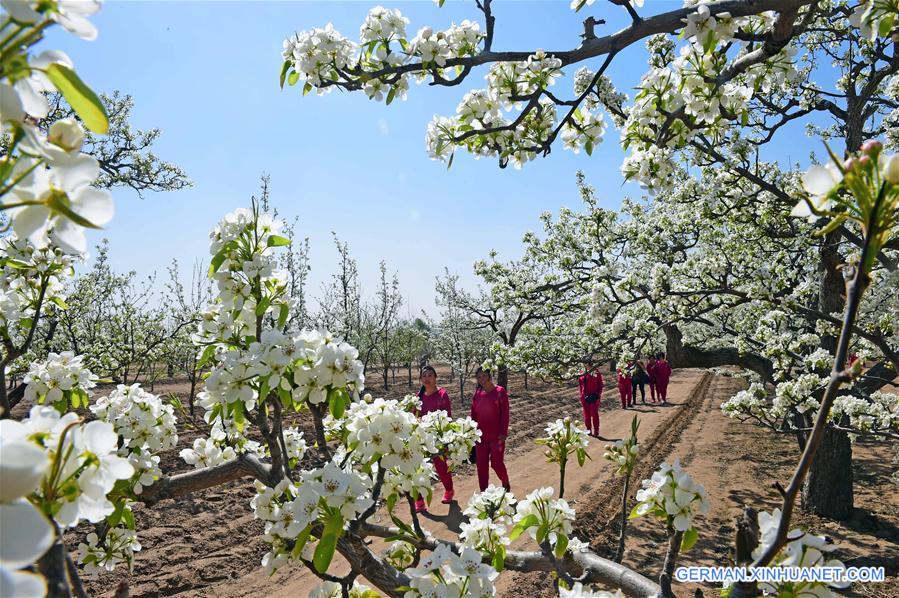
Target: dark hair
(481,370)
(425,368)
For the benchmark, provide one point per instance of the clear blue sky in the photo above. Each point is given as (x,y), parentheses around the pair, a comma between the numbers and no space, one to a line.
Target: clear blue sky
(207,74)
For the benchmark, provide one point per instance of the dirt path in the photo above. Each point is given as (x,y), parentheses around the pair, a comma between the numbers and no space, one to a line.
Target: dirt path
(528,470)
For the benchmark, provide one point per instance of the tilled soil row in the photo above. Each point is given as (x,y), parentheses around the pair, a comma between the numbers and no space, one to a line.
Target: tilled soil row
(602,521)
(599,512)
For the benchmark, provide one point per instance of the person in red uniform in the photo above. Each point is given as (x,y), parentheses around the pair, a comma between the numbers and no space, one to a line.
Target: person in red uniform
(651,372)
(662,375)
(490,409)
(435,398)
(624,386)
(591,394)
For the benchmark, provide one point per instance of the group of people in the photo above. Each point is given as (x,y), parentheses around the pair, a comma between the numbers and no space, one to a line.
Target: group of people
(490,410)
(656,372)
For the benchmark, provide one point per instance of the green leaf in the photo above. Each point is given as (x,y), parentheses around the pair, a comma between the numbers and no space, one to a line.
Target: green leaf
(262,306)
(58,302)
(300,542)
(542,532)
(581,456)
(390,95)
(522,526)
(589,147)
(80,97)
(284,69)
(324,552)
(217,260)
(206,357)
(337,402)
(277,241)
(307,88)
(292,79)
(283,315)
(499,558)
(634,514)
(128,518)
(561,545)
(885,26)
(689,539)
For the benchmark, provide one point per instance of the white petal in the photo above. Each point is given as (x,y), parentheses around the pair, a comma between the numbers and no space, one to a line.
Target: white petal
(21,11)
(75,171)
(22,466)
(25,534)
(818,180)
(21,583)
(48,57)
(33,101)
(801,209)
(93,204)
(30,222)
(10,105)
(100,438)
(69,237)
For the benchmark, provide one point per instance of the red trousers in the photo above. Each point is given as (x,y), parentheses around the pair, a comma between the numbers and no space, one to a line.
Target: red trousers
(662,388)
(591,416)
(443,472)
(490,452)
(625,391)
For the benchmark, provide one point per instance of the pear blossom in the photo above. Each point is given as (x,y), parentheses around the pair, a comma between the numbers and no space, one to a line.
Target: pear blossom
(819,182)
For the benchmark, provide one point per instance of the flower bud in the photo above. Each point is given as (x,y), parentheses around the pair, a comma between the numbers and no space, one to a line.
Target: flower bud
(849,164)
(66,134)
(872,146)
(891,169)
(863,160)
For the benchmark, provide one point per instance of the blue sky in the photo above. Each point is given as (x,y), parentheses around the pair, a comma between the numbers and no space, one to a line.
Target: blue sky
(207,74)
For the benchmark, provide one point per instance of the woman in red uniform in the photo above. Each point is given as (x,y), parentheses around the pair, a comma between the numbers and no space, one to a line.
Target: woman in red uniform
(624,386)
(651,372)
(490,409)
(591,394)
(435,398)
(663,375)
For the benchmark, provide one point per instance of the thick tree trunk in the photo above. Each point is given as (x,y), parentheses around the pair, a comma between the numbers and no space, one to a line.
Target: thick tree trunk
(502,377)
(828,488)
(685,356)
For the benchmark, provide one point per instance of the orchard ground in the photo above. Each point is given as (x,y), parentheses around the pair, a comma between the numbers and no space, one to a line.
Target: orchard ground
(209,544)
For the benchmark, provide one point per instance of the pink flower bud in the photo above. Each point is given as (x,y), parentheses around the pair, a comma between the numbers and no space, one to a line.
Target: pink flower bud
(863,160)
(871,145)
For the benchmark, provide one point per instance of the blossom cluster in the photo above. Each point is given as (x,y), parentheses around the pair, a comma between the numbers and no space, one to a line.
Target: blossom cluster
(117,546)
(61,380)
(27,534)
(671,494)
(46,180)
(490,517)
(322,58)
(146,426)
(329,492)
(623,453)
(444,573)
(546,519)
(802,550)
(29,275)
(454,437)
(681,94)
(86,463)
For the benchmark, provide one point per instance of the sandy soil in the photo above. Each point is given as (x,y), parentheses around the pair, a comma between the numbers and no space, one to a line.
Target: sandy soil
(209,544)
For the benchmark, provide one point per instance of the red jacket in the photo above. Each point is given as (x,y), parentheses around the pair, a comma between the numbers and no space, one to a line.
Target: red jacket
(491,411)
(624,380)
(439,401)
(590,383)
(662,371)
